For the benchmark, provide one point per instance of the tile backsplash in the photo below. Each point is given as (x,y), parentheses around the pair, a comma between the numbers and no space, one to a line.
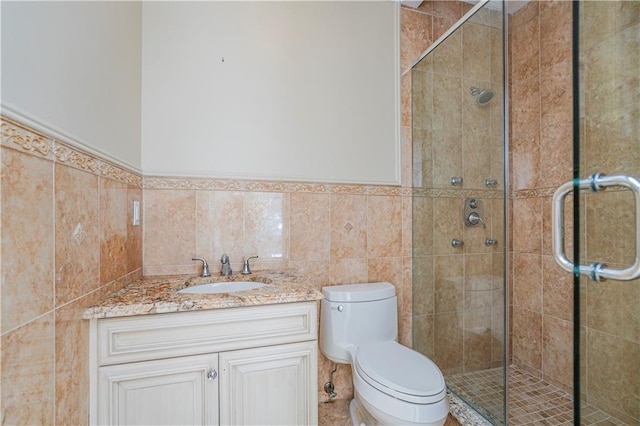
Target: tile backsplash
(66,241)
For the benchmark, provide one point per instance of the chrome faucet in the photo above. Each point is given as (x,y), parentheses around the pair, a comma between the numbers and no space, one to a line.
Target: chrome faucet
(246,270)
(226,267)
(205,267)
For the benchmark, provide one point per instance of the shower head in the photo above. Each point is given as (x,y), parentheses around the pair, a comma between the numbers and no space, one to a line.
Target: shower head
(484,96)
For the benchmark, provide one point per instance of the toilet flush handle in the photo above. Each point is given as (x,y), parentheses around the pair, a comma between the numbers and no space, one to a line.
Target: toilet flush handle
(338,308)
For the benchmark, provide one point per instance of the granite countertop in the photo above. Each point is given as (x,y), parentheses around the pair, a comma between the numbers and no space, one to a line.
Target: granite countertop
(159,294)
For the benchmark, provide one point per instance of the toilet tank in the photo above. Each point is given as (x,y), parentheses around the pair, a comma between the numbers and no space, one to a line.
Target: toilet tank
(353,314)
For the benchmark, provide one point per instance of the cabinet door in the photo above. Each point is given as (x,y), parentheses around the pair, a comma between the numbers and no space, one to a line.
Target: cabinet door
(174,391)
(273,385)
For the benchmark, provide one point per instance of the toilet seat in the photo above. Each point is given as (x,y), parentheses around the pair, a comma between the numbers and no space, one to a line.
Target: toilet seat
(400,372)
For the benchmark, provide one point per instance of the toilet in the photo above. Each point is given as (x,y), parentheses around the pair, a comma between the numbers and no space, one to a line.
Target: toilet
(393,385)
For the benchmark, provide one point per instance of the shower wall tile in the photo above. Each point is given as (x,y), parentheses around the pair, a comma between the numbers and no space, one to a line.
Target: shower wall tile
(605,378)
(527,213)
(423,286)
(422,99)
(444,228)
(77,233)
(557,359)
(557,290)
(476,52)
(423,334)
(415,37)
(423,230)
(477,339)
(608,217)
(527,289)
(447,9)
(448,342)
(27,251)
(613,309)
(555,39)
(449,283)
(525,37)
(405,97)
(447,57)
(527,338)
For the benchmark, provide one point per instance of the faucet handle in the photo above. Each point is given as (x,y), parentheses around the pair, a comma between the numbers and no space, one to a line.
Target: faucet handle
(246,270)
(205,267)
(226,267)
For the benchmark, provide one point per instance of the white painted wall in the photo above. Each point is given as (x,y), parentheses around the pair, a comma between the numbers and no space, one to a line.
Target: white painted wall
(74,68)
(272,90)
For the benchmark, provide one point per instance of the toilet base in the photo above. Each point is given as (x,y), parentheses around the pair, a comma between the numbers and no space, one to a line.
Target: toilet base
(360,416)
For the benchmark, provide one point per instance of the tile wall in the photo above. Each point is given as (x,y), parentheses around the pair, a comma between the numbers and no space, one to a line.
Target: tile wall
(541,152)
(66,241)
(541,160)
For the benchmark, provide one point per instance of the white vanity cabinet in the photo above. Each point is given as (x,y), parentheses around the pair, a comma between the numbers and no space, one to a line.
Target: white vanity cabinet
(235,366)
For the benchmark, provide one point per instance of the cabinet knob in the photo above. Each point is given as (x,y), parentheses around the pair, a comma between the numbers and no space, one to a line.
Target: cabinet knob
(212,374)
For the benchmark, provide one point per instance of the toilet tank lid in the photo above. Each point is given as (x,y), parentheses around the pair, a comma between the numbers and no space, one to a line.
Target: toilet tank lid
(359,292)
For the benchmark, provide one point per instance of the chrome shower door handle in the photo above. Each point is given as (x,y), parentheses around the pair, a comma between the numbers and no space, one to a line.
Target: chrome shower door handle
(596,183)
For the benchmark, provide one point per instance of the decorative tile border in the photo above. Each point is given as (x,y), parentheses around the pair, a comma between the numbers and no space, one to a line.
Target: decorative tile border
(456,193)
(22,138)
(534,193)
(151,182)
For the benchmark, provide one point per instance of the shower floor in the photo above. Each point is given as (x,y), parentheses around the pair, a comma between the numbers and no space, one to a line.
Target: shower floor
(532,401)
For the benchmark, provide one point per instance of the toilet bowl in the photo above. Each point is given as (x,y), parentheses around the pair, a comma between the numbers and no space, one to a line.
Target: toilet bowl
(393,385)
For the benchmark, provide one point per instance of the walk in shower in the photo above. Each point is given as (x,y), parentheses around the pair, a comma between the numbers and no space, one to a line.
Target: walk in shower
(507,107)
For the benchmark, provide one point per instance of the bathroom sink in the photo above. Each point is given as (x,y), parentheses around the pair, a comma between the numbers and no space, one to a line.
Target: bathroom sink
(222,287)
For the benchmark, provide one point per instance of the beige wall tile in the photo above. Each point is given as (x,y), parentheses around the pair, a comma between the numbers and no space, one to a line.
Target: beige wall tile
(349,271)
(348,226)
(525,38)
(114,230)
(612,307)
(72,362)
(384,226)
(28,366)
(27,238)
(423,334)
(267,227)
(422,226)
(477,339)
(527,288)
(557,350)
(134,233)
(220,227)
(527,338)
(606,377)
(170,231)
(77,233)
(448,342)
(448,283)
(415,37)
(527,225)
(476,52)
(423,286)
(310,226)
(557,290)
(446,225)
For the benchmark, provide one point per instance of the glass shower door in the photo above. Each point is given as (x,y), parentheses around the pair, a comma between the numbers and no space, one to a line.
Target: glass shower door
(607,309)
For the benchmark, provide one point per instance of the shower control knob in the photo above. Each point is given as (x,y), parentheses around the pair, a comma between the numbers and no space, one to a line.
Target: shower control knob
(457,243)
